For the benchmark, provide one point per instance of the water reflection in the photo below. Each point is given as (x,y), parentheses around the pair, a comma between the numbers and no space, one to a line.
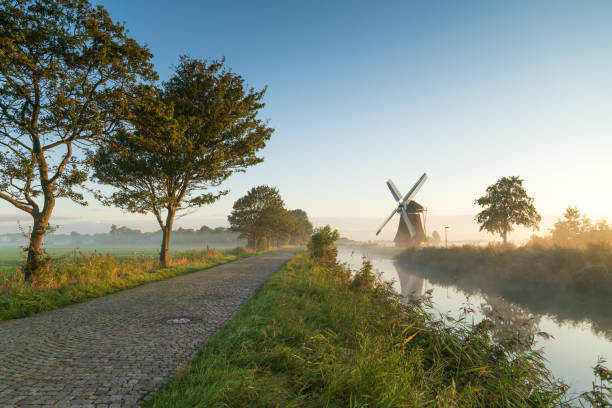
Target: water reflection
(579,333)
(412,286)
(514,326)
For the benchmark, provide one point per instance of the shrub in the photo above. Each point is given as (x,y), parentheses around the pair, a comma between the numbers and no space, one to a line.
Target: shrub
(321,245)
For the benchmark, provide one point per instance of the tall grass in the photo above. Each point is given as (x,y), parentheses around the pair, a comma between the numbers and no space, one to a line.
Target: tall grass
(76,277)
(320,336)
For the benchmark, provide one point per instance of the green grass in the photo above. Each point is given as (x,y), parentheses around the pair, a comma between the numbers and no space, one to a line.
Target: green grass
(317,336)
(76,277)
(13,257)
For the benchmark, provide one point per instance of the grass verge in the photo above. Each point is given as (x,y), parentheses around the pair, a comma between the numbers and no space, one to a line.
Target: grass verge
(78,277)
(318,335)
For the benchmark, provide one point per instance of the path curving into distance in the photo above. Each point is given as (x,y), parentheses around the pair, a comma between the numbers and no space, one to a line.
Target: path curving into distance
(118,350)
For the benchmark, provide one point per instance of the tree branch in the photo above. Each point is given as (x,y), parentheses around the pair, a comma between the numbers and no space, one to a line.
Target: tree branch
(60,168)
(22,206)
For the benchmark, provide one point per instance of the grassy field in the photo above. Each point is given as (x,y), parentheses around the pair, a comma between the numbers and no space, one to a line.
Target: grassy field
(318,336)
(12,257)
(77,276)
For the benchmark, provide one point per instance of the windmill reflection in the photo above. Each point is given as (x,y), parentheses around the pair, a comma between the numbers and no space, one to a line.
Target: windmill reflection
(513,326)
(412,286)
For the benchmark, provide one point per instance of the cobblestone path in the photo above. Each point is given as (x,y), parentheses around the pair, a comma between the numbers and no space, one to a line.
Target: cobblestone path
(118,350)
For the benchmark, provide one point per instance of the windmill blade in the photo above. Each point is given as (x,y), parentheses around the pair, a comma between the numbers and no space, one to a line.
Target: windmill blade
(386,221)
(415,189)
(408,223)
(394,191)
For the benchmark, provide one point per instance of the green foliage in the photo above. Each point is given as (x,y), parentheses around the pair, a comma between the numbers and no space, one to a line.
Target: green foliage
(260,217)
(506,204)
(184,138)
(65,68)
(321,245)
(302,227)
(601,394)
(76,277)
(314,336)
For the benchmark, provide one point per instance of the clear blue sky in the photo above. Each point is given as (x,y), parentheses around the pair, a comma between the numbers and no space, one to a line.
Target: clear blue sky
(362,91)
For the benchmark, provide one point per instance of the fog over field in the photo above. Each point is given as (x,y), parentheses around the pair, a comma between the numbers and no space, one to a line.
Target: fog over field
(463,228)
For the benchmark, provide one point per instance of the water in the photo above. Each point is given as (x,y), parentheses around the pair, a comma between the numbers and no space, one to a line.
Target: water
(571,352)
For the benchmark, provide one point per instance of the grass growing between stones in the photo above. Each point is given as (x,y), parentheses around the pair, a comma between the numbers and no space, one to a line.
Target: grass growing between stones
(78,277)
(317,335)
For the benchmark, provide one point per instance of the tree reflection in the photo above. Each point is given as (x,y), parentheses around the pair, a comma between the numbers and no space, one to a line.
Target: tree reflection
(514,326)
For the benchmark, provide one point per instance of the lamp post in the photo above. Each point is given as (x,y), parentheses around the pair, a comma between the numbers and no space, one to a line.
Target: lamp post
(446,237)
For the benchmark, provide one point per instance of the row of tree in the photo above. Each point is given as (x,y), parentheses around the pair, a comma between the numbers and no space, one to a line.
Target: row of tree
(261,218)
(507,204)
(575,229)
(79,97)
(125,236)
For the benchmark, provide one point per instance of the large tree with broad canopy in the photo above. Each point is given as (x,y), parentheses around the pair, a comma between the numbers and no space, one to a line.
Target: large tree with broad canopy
(65,68)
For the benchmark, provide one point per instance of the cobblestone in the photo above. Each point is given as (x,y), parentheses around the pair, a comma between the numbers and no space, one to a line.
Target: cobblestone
(119,349)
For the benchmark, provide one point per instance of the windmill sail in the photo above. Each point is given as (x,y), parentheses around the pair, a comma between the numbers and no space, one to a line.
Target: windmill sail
(394,191)
(408,223)
(410,230)
(415,189)
(386,221)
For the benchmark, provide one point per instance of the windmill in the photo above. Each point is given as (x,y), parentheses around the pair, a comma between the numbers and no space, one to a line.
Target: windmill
(410,231)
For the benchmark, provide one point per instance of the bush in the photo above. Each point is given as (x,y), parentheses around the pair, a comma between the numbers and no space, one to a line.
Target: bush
(321,245)
(589,280)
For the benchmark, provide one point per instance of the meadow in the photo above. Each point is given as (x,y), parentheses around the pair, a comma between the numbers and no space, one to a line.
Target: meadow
(13,257)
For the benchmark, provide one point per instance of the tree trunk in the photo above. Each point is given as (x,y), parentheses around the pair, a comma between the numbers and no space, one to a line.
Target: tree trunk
(34,262)
(164,258)
(505,236)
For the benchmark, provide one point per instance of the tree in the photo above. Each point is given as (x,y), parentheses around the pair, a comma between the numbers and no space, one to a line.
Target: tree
(273,227)
(64,70)
(506,204)
(253,215)
(321,244)
(576,229)
(567,231)
(186,137)
(435,238)
(302,227)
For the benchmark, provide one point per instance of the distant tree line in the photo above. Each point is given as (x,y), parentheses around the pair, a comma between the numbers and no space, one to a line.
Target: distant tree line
(262,219)
(79,97)
(574,230)
(124,236)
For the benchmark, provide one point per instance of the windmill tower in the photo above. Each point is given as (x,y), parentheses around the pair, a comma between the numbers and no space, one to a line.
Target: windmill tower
(410,232)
